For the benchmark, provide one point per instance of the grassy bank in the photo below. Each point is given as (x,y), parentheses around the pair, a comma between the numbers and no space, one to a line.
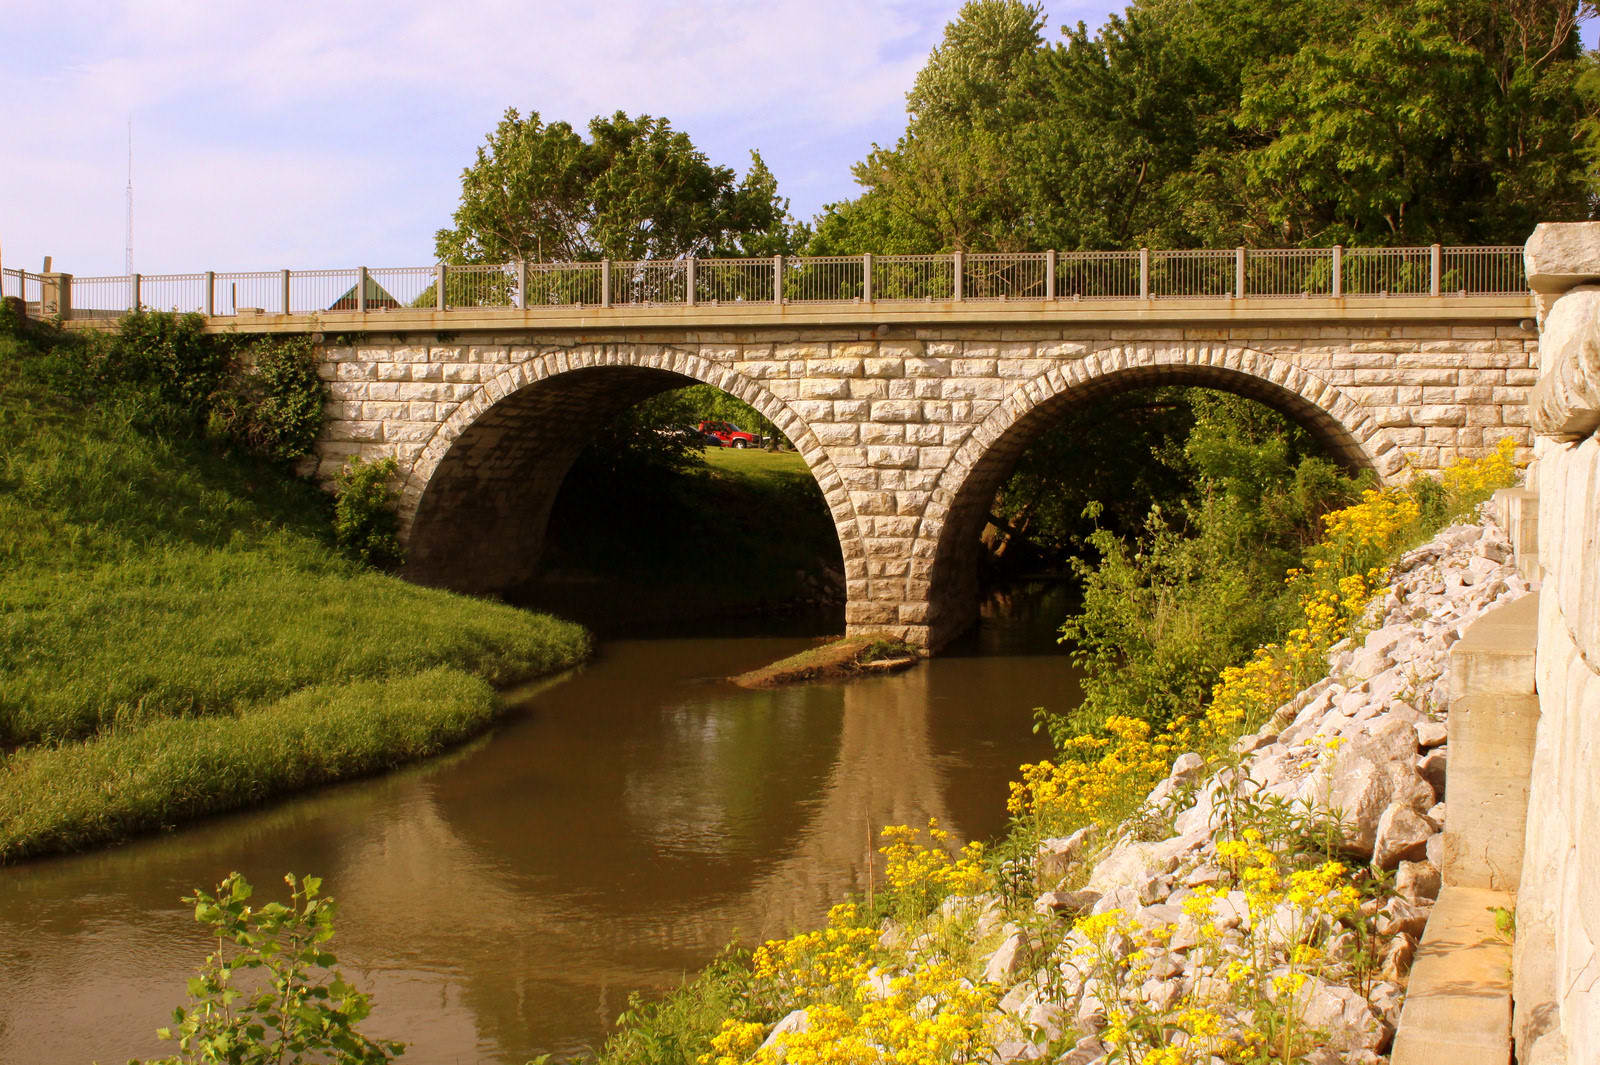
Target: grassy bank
(179,636)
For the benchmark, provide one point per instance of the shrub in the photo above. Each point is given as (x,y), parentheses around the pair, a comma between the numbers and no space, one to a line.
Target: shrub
(273,406)
(364,522)
(171,357)
(290,1015)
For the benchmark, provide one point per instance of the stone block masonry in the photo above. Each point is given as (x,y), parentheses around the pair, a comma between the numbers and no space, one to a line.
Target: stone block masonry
(1556,968)
(908,429)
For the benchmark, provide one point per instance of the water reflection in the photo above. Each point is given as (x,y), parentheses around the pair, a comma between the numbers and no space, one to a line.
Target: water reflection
(503,901)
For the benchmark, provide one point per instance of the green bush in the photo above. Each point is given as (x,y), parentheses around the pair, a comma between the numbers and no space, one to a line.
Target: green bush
(273,404)
(293,1008)
(364,521)
(1165,611)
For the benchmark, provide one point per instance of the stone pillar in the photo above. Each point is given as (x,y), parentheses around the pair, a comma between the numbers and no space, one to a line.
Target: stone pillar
(1556,972)
(1493,714)
(55,296)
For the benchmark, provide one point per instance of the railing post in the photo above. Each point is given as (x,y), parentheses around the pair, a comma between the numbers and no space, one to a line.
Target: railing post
(1338,271)
(285,280)
(522,284)
(1238,273)
(866,278)
(1050,274)
(958,269)
(1435,260)
(134,294)
(438,287)
(1144,273)
(777,280)
(210,304)
(688,280)
(605,282)
(361,290)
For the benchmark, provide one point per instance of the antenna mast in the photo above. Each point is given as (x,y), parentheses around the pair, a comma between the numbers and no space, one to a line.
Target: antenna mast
(127,247)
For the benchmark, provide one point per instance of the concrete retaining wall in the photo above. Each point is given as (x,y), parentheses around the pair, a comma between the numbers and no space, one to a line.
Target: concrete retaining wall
(1556,970)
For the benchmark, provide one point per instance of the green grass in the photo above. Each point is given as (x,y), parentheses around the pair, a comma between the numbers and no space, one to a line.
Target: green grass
(172,619)
(771,467)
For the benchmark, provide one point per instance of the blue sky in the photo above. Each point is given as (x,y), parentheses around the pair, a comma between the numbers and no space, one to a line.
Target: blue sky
(291,135)
(304,136)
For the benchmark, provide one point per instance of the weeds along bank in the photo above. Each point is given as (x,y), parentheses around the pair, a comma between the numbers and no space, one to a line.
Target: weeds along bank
(180,633)
(1246,884)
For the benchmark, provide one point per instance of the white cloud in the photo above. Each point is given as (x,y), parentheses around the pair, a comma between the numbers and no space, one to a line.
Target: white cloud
(334,134)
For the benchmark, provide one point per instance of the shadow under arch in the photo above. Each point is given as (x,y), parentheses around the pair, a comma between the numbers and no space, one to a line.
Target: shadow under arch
(476,501)
(956,513)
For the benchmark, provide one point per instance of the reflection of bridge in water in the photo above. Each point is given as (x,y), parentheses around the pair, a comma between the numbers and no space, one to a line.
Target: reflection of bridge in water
(910,384)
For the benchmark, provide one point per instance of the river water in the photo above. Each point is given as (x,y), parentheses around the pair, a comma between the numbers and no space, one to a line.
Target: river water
(621,826)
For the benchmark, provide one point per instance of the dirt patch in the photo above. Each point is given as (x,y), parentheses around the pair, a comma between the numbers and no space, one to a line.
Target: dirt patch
(852,656)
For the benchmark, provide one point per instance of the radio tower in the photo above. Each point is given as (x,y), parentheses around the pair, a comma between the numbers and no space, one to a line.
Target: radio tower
(127,247)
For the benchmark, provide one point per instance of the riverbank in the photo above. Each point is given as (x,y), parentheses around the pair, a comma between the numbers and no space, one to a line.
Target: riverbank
(179,635)
(1249,880)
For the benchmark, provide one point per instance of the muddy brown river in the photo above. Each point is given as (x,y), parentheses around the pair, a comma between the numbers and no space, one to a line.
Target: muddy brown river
(621,826)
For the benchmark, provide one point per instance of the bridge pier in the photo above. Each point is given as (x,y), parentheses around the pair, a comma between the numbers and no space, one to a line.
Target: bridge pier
(909,429)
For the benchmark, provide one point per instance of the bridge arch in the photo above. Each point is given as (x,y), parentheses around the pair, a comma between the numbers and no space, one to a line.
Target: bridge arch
(476,499)
(948,535)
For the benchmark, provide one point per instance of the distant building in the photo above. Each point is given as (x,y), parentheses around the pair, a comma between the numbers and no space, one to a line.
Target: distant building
(378,298)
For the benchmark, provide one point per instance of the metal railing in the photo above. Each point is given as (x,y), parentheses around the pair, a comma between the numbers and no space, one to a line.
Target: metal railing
(1145,274)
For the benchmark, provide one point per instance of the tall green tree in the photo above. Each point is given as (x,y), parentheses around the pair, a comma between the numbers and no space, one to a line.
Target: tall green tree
(1185,123)
(636,189)
(948,184)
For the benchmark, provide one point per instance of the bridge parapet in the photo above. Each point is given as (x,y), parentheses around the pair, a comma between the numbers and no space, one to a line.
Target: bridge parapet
(616,291)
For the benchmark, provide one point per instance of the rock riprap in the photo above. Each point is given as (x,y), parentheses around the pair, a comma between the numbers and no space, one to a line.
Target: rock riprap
(1164,931)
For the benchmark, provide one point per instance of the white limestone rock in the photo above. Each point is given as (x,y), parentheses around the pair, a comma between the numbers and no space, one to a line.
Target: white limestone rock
(1402,834)
(1417,881)
(1007,960)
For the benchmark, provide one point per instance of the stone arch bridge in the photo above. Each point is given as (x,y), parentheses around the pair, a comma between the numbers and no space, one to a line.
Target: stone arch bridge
(909,418)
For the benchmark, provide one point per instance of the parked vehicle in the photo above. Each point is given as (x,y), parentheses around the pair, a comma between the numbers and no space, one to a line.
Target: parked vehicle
(729,435)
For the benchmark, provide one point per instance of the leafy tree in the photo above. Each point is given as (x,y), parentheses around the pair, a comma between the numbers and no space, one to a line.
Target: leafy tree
(637,189)
(946,184)
(1184,123)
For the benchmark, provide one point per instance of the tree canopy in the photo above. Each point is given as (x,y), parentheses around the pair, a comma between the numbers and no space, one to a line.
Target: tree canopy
(636,189)
(1184,123)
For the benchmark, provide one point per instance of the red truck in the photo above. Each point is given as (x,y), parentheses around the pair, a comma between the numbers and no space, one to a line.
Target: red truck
(730,435)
